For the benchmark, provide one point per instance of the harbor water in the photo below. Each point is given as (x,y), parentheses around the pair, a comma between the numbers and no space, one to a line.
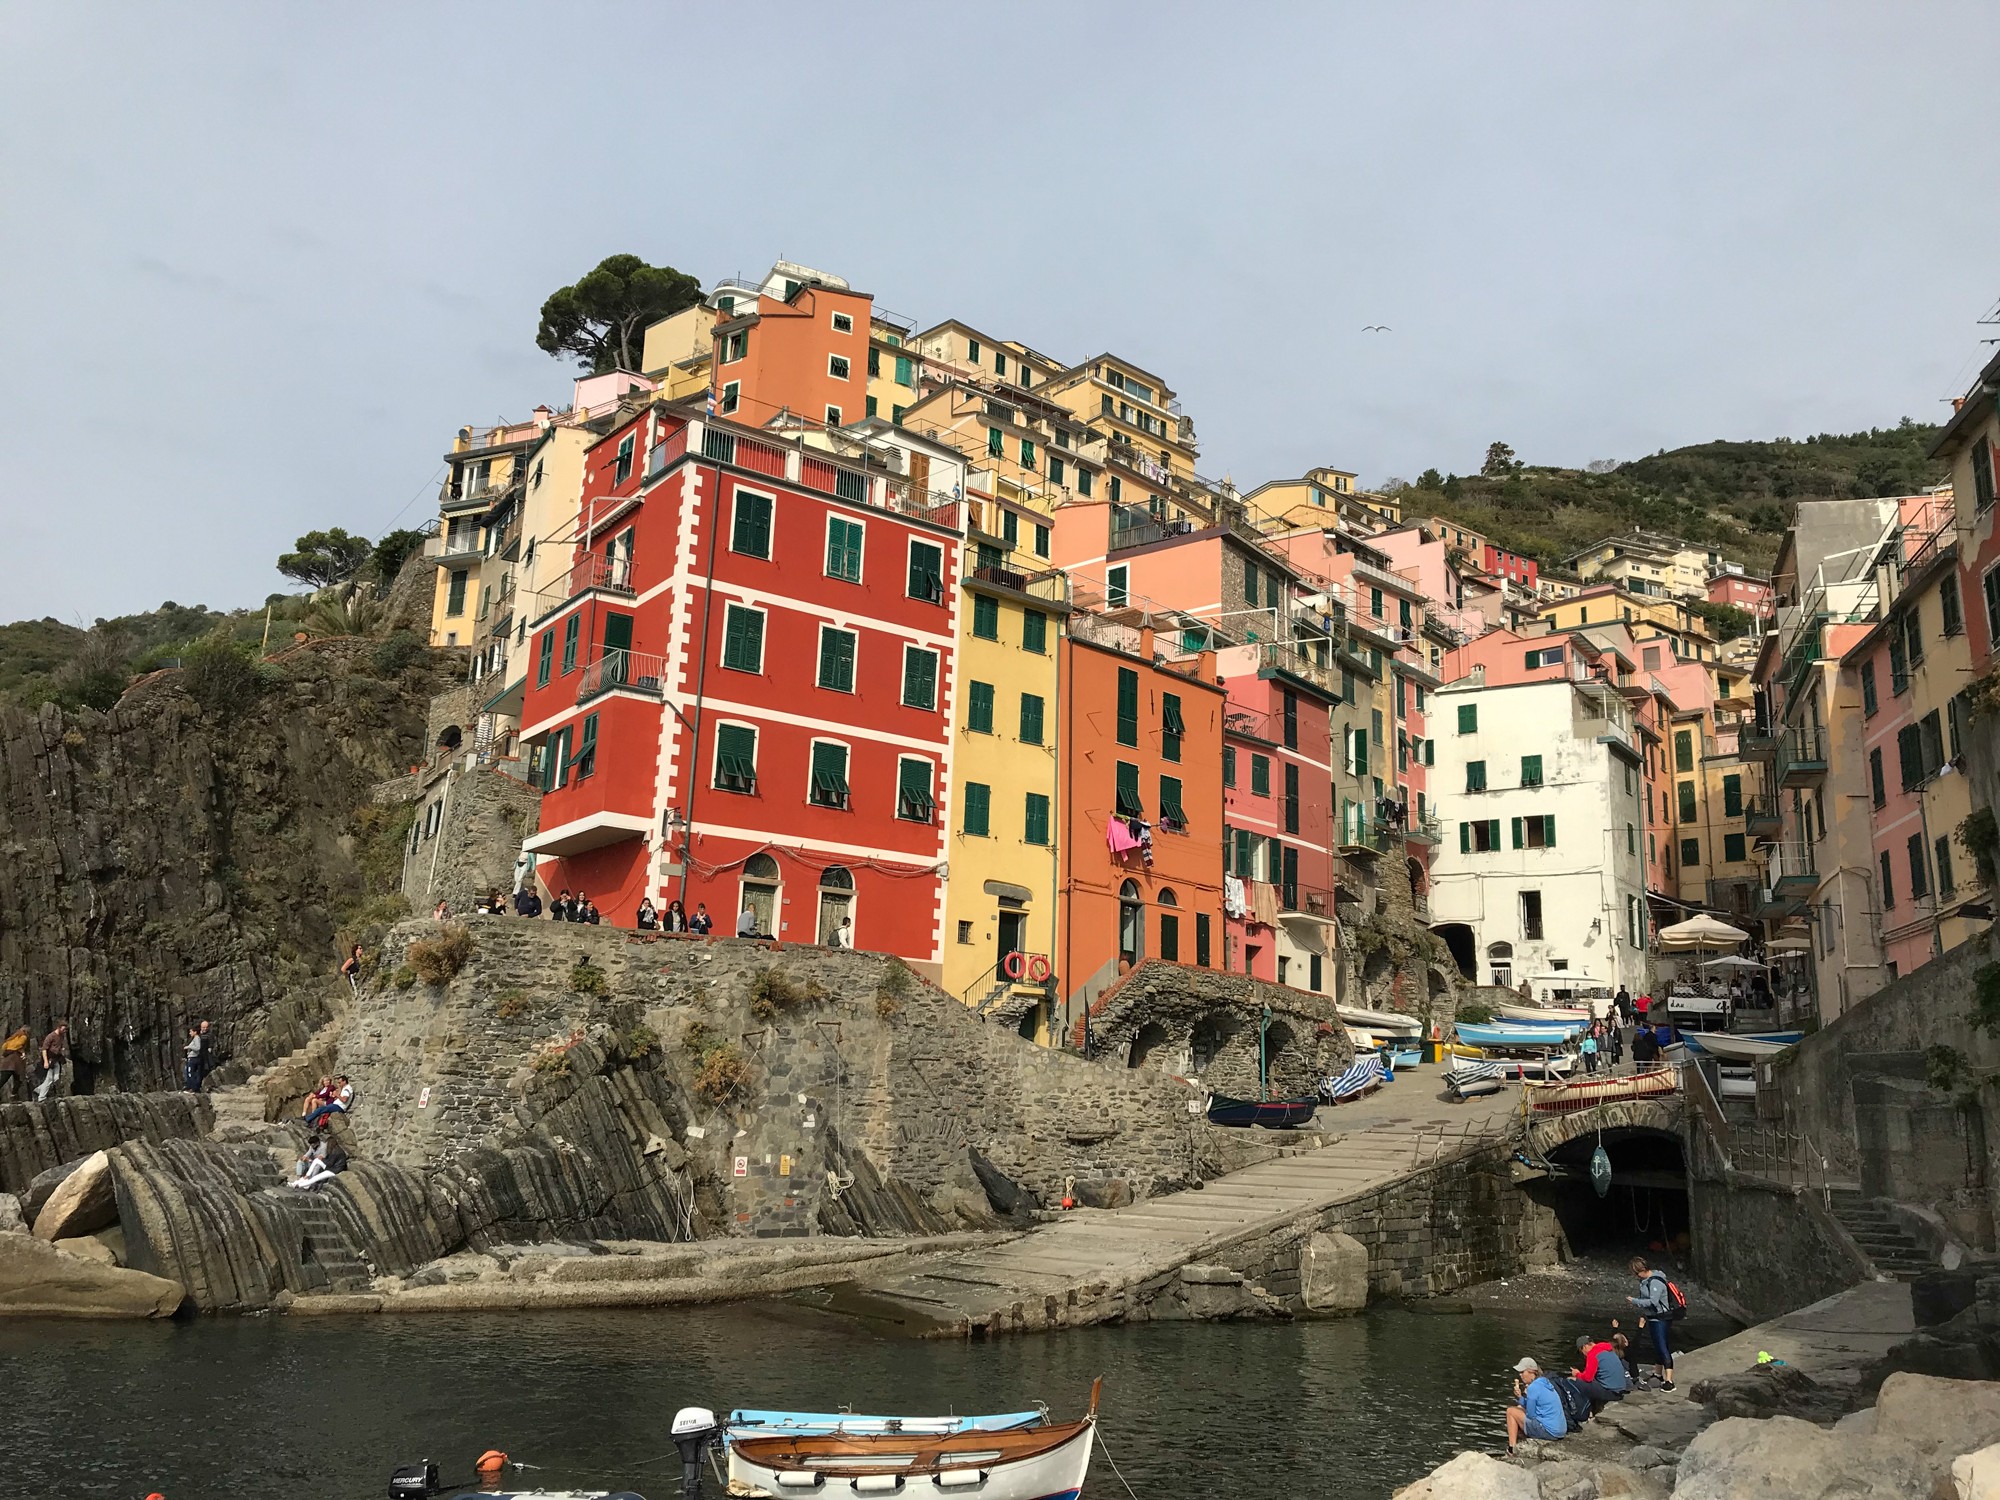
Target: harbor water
(324,1409)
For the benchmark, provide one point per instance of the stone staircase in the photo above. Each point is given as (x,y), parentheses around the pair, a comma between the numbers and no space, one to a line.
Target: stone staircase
(1891,1249)
(245,1108)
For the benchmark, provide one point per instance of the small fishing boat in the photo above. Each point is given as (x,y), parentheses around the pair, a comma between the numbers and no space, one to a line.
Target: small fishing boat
(1450,1050)
(1513,1035)
(744,1423)
(1541,1015)
(1471,1080)
(1363,1077)
(1272,1114)
(1729,1047)
(1582,1093)
(1405,1057)
(1041,1461)
(1384,1022)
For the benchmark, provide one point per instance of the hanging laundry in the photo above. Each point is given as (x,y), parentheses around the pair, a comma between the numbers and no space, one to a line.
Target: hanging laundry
(1264,903)
(1119,837)
(1233,903)
(1145,833)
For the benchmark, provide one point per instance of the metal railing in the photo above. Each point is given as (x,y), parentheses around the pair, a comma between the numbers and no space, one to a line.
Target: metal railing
(1785,864)
(638,671)
(1289,657)
(1802,749)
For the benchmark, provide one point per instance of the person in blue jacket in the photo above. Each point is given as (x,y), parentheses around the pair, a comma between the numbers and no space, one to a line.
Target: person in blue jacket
(1537,1411)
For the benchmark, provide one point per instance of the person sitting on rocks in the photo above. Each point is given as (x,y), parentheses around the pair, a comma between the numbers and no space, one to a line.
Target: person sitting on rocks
(1603,1376)
(323,1164)
(341,1102)
(648,918)
(321,1094)
(441,912)
(315,1148)
(527,903)
(14,1062)
(1537,1410)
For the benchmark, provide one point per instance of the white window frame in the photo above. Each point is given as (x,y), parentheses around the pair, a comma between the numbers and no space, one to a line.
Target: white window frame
(930,788)
(834,418)
(732,398)
(763,637)
(826,550)
(771,541)
(820,655)
(739,343)
(843,322)
(1123,573)
(846,369)
(827,739)
(715,759)
(937,672)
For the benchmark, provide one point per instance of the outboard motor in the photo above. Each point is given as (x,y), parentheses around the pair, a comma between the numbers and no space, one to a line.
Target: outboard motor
(414,1482)
(695,1428)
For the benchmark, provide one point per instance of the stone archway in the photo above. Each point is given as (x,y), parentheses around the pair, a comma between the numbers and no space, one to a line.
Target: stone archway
(1149,1037)
(1458,941)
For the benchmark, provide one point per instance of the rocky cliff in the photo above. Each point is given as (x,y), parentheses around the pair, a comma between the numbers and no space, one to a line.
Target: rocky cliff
(194,852)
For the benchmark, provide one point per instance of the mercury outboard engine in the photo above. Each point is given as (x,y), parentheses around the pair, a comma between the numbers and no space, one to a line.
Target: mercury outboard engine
(695,1428)
(414,1482)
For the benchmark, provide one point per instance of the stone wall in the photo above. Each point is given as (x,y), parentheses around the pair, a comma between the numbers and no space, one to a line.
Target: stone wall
(1204,1026)
(1767,1247)
(484,814)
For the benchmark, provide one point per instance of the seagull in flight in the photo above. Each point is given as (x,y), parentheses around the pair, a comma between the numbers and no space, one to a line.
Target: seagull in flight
(1376,328)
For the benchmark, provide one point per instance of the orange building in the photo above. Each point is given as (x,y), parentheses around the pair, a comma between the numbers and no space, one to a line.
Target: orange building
(806,354)
(1141,809)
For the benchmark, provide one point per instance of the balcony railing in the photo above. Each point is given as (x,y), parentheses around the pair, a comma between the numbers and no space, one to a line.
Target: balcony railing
(638,671)
(1761,815)
(1801,755)
(1789,875)
(1288,657)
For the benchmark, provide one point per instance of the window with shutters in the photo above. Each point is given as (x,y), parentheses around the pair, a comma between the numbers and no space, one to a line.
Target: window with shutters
(1732,796)
(836,659)
(1117,589)
(1172,726)
(979,708)
(1899,671)
(1229,765)
(1910,756)
(1291,798)
(1931,734)
(1475,776)
(1690,851)
(829,774)
(1878,786)
(975,809)
(920,669)
(1920,869)
(1913,634)
(584,763)
(913,790)
(926,572)
(1035,827)
(1201,938)
(1170,937)
(1950,609)
(843,549)
(995,442)
(732,397)
(986,617)
(1868,689)
(1031,718)
(1685,792)
(1375,726)
(572,628)
(735,758)
(1010,527)
(743,639)
(1084,481)
(1531,770)
(1028,454)
(1171,813)
(1034,631)
(1260,775)
(1732,848)
(750,530)
(1468,718)
(555,770)
(1250,591)
(1947,884)
(1291,718)
(547,661)
(622,470)
(1531,915)
(1888,884)
(1042,535)
(1683,750)
(1128,706)
(1128,804)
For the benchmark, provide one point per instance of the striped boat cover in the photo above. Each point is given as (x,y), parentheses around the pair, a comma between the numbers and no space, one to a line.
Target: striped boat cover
(1366,1072)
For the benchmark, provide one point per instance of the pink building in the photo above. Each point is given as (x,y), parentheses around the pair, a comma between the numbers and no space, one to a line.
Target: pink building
(1751,595)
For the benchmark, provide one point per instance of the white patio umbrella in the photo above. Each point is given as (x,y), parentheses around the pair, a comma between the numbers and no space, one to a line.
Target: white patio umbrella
(1789,945)
(1732,962)
(1702,932)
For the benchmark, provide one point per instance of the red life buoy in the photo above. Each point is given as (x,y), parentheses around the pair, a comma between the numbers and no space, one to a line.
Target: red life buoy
(1038,969)
(1014,965)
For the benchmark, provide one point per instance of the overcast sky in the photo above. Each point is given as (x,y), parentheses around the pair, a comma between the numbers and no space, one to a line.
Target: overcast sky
(258,263)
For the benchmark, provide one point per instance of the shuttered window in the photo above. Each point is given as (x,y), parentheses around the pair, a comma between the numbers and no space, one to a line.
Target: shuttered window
(926,572)
(829,774)
(1036,828)
(736,758)
(1170,800)
(919,678)
(977,806)
(751,533)
(986,617)
(743,639)
(843,549)
(1128,706)
(1031,719)
(836,659)
(979,708)
(1129,805)
(913,791)
(1034,631)
(1172,727)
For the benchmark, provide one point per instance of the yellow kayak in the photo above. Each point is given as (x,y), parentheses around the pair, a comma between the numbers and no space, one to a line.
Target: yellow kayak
(1459,1049)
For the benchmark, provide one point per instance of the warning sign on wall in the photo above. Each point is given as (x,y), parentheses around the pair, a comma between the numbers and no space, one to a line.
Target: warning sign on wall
(742,1166)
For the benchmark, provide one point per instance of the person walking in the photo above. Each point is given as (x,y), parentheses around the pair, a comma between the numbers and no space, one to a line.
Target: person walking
(14,1063)
(1623,1003)
(351,970)
(207,1058)
(1617,1045)
(55,1058)
(1657,1306)
(191,1062)
(1589,1049)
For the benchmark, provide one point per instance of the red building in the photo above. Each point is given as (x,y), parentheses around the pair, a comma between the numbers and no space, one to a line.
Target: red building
(1522,570)
(1751,595)
(740,696)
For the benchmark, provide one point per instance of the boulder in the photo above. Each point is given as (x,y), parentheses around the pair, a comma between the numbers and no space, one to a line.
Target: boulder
(44,1183)
(10,1214)
(1597,1481)
(1655,1419)
(1940,1419)
(1333,1273)
(38,1279)
(1976,1476)
(1473,1476)
(1782,1456)
(83,1202)
(1770,1391)
(1939,1296)
(89,1247)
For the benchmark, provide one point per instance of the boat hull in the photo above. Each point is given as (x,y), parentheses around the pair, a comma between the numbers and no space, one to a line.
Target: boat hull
(1585,1093)
(1386,1022)
(1738,1049)
(1514,1036)
(1542,1015)
(1272,1114)
(928,1469)
(754,1424)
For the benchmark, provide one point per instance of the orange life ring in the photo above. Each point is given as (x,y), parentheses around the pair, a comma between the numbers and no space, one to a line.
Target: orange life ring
(1038,969)
(1014,965)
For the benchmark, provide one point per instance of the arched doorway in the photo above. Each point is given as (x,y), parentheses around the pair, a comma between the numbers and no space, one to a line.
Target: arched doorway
(1459,942)
(1150,1036)
(1131,925)
(760,893)
(1170,926)
(836,901)
(1501,957)
(1420,896)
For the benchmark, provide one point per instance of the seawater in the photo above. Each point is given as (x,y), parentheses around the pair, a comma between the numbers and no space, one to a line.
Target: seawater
(324,1409)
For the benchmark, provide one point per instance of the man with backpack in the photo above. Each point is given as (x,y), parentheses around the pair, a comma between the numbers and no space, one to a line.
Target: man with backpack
(1537,1411)
(1602,1374)
(1663,1304)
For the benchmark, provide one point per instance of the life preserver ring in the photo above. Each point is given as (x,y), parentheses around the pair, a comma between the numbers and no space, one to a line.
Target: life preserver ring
(1038,969)
(1014,965)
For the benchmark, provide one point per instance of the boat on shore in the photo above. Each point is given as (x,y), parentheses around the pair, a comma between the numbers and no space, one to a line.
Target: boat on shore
(1364,1076)
(1730,1047)
(1384,1022)
(1272,1114)
(1512,1034)
(1582,1093)
(1472,1080)
(1541,1015)
(1042,1460)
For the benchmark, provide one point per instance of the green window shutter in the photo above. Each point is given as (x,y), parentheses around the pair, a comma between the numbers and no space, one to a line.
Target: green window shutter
(1229,765)
(1430,752)
(913,791)
(751,534)
(1034,631)
(919,678)
(1465,838)
(1129,804)
(1170,800)
(979,712)
(548,658)
(1493,832)
(1128,706)
(993,441)
(986,617)
(1475,776)
(829,774)
(903,375)
(1036,829)
(843,550)
(736,758)
(1516,830)
(836,660)
(1732,796)
(1732,847)
(977,803)
(1531,770)
(586,754)
(558,762)
(1260,775)
(743,640)
(1031,719)
(1690,851)
(1027,453)
(1468,718)
(926,572)
(1172,727)
(1549,830)
(570,628)
(1687,808)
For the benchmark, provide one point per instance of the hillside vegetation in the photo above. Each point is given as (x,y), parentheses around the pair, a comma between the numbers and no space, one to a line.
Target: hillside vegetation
(1737,495)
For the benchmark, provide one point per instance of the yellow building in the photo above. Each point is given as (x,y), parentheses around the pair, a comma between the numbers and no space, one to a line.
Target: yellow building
(1717,795)
(1683,635)
(1647,563)
(1319,497)
(1023,451)
(1003,893)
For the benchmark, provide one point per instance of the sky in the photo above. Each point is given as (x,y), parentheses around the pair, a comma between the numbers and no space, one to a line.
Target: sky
(259,263)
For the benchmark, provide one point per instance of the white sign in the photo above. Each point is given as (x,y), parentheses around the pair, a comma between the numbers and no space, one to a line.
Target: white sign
(697,1132)
(742,1166)
(424,1099)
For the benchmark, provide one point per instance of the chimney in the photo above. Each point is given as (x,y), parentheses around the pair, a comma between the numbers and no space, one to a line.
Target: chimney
(1957,402)
(1146,640)
(543,416)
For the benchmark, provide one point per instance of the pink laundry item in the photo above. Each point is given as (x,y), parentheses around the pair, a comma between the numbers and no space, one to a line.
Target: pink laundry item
(1119,837)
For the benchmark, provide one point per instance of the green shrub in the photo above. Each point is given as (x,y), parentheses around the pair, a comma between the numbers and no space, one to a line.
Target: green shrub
(437,960)
(396,655)
(511,1005)
(698,1040)
(220,676)
(1474,1014)
(776,992)
(404,977)
(585,978)
(637,1042)
(724,1077)
(552,1059)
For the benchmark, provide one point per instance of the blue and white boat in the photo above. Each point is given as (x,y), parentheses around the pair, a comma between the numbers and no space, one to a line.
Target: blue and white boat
(746,1422)
(1515,1034)
(1747,1048)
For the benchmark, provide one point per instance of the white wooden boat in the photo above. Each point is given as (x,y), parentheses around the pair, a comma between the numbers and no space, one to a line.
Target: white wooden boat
(1730,1047)
(1543,1015)
(1041,1461)
(1385,1022)
(1582,1093)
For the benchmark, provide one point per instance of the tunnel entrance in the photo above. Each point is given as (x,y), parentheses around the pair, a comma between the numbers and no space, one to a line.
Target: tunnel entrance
(1646,1210)
(1457,938)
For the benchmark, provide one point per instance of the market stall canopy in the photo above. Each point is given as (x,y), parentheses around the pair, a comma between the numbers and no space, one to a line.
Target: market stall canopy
(1701,932)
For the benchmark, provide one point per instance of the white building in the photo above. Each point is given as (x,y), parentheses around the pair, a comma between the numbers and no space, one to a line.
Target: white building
(1541,791)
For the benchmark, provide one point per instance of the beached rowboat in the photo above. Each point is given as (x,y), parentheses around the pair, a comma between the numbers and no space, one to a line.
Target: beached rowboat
(1582,1093)
(1742,1049)
(1272,1114)
(1513,1034)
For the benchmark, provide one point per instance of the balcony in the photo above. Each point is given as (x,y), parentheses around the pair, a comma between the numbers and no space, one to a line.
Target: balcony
(1361,834)
(592,571)
(634,671)
(1757,742)
(1425,830)
(1789,879)
(1761,818)
(1802,756)
(1289,659)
